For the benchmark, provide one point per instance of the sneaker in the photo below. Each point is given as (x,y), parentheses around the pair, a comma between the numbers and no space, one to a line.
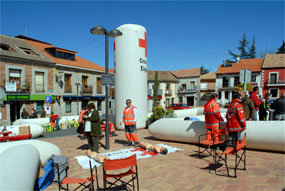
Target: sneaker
(136,144)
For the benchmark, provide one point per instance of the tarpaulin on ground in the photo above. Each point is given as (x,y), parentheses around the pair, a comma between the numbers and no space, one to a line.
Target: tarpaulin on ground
(123,153)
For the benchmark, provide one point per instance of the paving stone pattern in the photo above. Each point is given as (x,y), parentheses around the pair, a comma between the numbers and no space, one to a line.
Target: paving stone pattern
(182,170)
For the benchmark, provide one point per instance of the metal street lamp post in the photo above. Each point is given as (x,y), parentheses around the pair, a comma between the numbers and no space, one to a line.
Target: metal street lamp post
(99,30)
(77,84)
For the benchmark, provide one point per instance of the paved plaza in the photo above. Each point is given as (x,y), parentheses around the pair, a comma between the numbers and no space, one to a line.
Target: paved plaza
(182,170)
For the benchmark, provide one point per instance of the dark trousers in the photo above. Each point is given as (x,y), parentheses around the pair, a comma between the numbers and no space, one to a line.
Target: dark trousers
(93,142)
(233,137)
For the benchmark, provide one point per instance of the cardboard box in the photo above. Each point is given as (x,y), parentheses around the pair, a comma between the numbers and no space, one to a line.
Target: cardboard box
(25,130)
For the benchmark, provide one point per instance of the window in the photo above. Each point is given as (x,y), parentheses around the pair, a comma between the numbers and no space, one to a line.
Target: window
(40,81)
(203,86)
(183,87)
(15,77)
(172,100)
(167,86)
(273,78)
(39,107)
(67,81)
(180,99)
(226,95)
(60,54)
(253,78)
(225,82)
(192,85)
(28,51)
(6,48)
(274,93)
(236,80)
(220,94)
(84,81)
(99,86)
(67,106)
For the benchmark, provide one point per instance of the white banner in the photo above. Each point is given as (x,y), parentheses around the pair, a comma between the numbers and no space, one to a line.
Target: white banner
(11,87)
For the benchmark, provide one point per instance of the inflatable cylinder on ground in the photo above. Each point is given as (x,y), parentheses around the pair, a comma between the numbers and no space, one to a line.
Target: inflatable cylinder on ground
(131,72)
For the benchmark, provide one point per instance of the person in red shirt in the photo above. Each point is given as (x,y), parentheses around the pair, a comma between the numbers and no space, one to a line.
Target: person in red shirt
(236,121)
(256,101)
(54,119)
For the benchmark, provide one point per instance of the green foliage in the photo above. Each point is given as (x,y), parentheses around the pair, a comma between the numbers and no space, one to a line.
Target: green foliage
(155,90)
(158,112)
(239,87)
(204,70)
(170,113)
(281,50)
(252,49)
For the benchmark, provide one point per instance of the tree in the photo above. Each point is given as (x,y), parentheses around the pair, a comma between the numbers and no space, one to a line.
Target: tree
(204,70)
(281,50)
(155,90)
(252,49)
(243,53)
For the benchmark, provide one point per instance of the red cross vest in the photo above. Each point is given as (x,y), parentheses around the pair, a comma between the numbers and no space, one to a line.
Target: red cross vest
(80,118)
(235,117)
(129,116)
(212,114)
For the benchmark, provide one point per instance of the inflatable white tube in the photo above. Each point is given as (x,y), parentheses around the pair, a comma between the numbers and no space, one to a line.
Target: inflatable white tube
(262,135)
(130,59)
(18,167)
(35,129)
(45,149)
(192,112)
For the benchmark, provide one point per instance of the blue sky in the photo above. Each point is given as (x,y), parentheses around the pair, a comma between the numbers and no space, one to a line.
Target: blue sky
(180,34)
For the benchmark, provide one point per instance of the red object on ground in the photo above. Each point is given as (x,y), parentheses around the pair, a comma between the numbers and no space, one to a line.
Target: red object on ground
(177,106)
(15,138)
(5,134)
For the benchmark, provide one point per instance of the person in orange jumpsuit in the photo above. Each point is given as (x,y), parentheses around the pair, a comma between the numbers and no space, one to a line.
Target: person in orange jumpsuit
(212,117)
(236,121)
(80,129)
(112,128)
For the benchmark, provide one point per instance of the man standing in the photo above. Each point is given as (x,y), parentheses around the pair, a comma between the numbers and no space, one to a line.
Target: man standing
(212,117)
(248,106)
(255,100)
(24,114)
(130,114)
(279,107)
(263,108)
(236,122)
(43,113)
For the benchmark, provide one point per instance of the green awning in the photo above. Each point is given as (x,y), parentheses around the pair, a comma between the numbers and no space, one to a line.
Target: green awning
(31,97)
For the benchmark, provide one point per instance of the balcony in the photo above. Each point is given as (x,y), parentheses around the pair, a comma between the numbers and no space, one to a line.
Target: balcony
(280,82)
(225,86)
(99,90)
(168,92)
(87,90)
(68,89)
(150,92)
(24,87)
(191,89)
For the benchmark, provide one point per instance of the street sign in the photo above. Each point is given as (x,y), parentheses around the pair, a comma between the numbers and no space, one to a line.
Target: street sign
(245,76)
(48,99)
(107,79)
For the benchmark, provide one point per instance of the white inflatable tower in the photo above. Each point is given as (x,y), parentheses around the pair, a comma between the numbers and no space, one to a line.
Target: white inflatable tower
(130,52)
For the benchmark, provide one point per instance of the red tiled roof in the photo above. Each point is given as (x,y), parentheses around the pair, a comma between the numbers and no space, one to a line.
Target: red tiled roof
(192,72)
(253,64)
(78,62)
(162,76)
(208,76)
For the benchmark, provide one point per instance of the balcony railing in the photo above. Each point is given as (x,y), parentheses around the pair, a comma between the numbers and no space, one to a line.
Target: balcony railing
(150,92)
(24,87)
(191,89)
(99,90)
(280,82)
(68,89)
(87,90)
(225,86)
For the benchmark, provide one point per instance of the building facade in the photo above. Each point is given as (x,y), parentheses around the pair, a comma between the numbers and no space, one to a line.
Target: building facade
(228,77)
(26,78)
(167,93)
(273,72)
(188,87)
(207,87)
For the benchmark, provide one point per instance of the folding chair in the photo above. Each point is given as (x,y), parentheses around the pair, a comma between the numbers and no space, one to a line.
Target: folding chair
(239,156)
(119,164)
(86,183)
(211,145)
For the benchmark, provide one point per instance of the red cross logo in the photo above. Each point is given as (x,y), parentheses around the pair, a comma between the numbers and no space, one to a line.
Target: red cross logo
(142,43)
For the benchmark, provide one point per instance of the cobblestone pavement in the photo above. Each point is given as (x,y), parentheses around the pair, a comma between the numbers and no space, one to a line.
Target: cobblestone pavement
(182,170)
